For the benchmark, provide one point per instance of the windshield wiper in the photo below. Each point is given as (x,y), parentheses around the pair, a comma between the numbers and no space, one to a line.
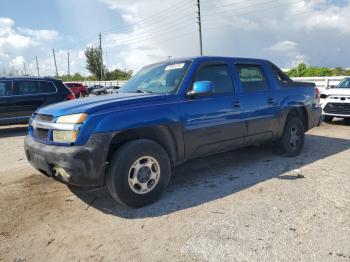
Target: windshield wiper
(143,91)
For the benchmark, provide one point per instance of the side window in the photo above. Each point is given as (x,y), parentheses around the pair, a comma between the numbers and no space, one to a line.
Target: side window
(47,87)
(5,88)
(218,74)
(23,87)
(252,78)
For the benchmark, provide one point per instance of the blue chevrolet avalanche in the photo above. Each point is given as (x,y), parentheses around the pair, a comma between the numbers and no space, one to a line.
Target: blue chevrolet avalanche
(166,114)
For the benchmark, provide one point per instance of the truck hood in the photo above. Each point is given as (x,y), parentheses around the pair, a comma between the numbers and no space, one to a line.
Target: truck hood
(337,91)
(93,104)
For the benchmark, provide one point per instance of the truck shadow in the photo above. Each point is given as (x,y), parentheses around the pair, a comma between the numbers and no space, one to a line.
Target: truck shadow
(207,179)
(13,131)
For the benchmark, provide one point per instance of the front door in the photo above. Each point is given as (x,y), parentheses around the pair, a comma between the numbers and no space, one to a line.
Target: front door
(213,123)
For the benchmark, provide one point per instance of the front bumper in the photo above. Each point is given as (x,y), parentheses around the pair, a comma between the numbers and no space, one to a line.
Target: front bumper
(76,165)
(336,107)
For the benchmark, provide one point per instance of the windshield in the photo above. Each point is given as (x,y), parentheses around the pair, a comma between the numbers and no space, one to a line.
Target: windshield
(158,78)
(344,84)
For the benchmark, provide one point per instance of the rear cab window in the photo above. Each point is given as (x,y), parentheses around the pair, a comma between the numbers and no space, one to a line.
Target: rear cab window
(280,76)
(219,74)
(5,88)
(253,78)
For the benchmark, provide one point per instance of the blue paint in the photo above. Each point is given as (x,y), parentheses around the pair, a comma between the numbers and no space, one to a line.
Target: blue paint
(214,116)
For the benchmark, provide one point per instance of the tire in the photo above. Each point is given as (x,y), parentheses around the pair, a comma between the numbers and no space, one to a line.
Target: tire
(292,141)
(328,119)
(129,178)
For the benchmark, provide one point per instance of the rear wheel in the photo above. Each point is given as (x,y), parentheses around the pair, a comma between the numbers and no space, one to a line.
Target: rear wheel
(292,140)
(328,119)
(139,174)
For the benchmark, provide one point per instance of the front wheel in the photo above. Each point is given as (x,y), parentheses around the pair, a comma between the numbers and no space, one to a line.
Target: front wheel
(139,173)
(292,141)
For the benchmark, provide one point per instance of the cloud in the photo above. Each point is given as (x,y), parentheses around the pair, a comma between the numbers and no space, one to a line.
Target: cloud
(298,59)
(17,61)
(17,46)
(40,35)
(283,46)
(287,32)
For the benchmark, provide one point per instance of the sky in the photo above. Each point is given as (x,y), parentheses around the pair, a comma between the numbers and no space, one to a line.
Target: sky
(139,32)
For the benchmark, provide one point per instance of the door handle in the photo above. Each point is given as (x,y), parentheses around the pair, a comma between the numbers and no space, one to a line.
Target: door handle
(271,101)
(236,104)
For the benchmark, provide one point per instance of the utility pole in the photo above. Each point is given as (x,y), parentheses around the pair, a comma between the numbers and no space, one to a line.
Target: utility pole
(106,59)
(68,67)
(37,65)
(100,38)
(54,58)
(25,69)
(199,26)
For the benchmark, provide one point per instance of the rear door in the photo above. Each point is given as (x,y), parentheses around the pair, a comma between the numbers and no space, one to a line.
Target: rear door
(260,102)
(213,123)
(8,110)
(29,96)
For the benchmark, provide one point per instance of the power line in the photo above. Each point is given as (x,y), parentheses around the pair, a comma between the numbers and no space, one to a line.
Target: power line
(262,10)
(156,33)
(156,18)
(224,27)
(213,15)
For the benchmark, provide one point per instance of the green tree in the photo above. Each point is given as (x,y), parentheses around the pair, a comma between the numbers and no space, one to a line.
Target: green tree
(94,61)
(118,74)
(303,71)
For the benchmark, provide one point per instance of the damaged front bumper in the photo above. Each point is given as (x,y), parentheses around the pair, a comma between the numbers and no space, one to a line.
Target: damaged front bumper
(76,165)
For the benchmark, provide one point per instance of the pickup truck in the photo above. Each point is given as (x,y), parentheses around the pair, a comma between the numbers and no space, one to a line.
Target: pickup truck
(166,114)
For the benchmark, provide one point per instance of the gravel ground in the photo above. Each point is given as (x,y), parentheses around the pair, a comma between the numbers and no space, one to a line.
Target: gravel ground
(245,205)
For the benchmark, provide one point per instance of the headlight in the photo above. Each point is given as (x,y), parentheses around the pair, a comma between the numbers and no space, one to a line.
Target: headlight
(323,96)
(72,119)
(61,136)
(66,128)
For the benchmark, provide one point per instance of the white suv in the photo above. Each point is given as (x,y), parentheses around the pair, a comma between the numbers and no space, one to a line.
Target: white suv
(335,102)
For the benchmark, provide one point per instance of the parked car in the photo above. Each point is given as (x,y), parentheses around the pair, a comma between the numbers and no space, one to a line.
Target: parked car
(113,89)
(78,89)
(335,102)
(166,114)
(20,97)
(97,90)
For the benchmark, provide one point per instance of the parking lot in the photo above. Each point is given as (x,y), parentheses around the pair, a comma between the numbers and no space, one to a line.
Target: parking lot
(248,204)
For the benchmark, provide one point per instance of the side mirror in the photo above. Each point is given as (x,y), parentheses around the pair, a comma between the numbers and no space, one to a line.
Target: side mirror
(202,88)
(332,86)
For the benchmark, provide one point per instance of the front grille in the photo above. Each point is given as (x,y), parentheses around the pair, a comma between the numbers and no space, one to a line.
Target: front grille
(337,108)
(41,133)
(45,118)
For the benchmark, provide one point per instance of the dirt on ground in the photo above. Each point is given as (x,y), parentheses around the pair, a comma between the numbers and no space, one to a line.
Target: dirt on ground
(245,205)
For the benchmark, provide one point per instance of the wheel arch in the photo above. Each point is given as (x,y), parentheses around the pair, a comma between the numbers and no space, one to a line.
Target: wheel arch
(300,112)
(164,135)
